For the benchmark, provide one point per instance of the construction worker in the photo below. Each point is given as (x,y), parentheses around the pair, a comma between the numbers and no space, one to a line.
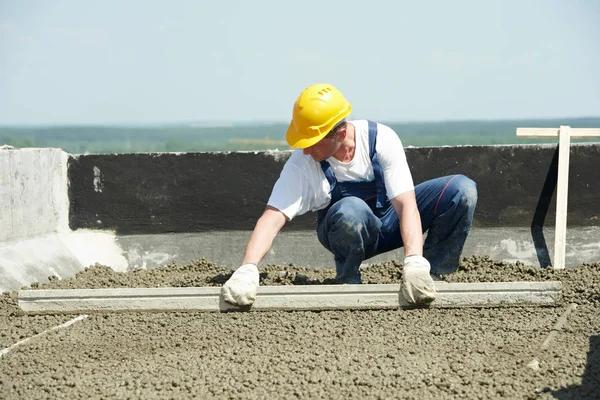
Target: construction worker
(355,175)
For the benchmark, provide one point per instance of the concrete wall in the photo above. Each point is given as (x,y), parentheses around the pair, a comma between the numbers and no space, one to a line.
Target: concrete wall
(196,192)
(35,239)
(33,192)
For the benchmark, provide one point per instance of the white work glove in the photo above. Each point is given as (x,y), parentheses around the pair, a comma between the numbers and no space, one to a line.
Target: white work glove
(417,285)
(241,288)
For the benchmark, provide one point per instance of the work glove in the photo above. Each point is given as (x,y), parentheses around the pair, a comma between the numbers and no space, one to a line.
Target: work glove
(417,286)
(240,289)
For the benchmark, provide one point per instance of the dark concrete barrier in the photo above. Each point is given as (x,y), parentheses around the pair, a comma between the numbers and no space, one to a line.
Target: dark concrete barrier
(195,192)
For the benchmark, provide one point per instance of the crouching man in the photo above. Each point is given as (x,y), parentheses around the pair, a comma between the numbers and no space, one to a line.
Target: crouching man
(355,175)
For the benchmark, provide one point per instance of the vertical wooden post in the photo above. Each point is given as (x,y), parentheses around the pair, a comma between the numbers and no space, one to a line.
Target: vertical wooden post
(562,194)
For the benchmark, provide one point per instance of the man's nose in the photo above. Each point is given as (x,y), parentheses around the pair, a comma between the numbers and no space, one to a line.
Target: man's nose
(306,151)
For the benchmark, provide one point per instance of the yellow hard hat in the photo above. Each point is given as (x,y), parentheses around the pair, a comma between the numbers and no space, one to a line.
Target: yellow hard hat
(318,109)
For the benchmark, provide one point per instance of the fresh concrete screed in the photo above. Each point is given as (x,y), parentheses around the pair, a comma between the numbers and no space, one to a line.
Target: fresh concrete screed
(426,353)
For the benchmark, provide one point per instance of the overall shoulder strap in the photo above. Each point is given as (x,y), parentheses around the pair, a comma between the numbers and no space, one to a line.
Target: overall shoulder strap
(379,182)
(328,171)
(372,139)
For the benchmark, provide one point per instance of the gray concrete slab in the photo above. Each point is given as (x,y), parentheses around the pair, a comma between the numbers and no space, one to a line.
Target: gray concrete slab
(309,297)
(510,244)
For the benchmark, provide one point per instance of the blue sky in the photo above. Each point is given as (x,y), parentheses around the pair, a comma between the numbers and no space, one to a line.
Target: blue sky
(111,62)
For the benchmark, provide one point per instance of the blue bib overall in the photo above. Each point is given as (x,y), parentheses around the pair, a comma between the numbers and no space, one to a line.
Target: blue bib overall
(360,221)
(371,192)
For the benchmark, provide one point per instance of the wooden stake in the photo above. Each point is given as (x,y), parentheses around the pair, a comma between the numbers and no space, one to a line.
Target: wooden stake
(562,195)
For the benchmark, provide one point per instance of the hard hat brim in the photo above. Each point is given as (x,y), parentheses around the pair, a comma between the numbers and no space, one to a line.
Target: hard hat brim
(298,140)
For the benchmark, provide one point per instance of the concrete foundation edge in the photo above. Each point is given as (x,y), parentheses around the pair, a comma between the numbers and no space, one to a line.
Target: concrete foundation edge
(509,244)
(56,255)
(62,255)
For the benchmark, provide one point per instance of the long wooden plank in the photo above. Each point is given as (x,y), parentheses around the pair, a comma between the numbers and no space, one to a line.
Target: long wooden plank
(309,297)
(575,132)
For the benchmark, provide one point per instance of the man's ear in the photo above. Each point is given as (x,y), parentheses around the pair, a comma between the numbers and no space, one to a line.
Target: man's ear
(342,132)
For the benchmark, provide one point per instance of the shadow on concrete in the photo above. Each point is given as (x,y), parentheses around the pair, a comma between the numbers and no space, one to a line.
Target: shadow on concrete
(590,381)
(541,210)
(220,278)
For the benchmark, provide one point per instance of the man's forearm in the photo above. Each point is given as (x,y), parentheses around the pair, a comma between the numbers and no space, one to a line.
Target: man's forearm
(267,227)
(410,229)
(260,242)
(410,223)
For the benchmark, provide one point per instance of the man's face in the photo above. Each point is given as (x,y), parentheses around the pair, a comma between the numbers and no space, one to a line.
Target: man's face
(327,146)
(323,149)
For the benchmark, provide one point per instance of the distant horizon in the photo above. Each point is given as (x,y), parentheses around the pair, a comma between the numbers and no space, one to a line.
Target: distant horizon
(233,123)
(253,136)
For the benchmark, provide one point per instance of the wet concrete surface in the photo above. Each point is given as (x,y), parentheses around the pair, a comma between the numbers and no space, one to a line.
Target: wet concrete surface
(410,354)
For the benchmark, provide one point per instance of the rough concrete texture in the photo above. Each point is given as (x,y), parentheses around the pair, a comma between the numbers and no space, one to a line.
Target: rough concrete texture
(410,354)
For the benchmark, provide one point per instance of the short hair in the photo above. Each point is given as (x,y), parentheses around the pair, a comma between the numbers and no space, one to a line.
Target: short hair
(335,129)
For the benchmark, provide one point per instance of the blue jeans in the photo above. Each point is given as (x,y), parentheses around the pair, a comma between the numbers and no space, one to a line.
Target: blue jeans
(354,233)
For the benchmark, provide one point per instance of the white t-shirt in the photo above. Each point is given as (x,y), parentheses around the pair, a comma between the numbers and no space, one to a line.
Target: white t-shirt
(302,185)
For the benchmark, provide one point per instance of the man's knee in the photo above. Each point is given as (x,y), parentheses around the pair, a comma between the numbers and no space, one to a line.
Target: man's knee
(348,210)
(350,218)
(466,192)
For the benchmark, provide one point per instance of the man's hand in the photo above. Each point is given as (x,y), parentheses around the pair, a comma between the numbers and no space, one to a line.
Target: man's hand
(241,288)
(417,285)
